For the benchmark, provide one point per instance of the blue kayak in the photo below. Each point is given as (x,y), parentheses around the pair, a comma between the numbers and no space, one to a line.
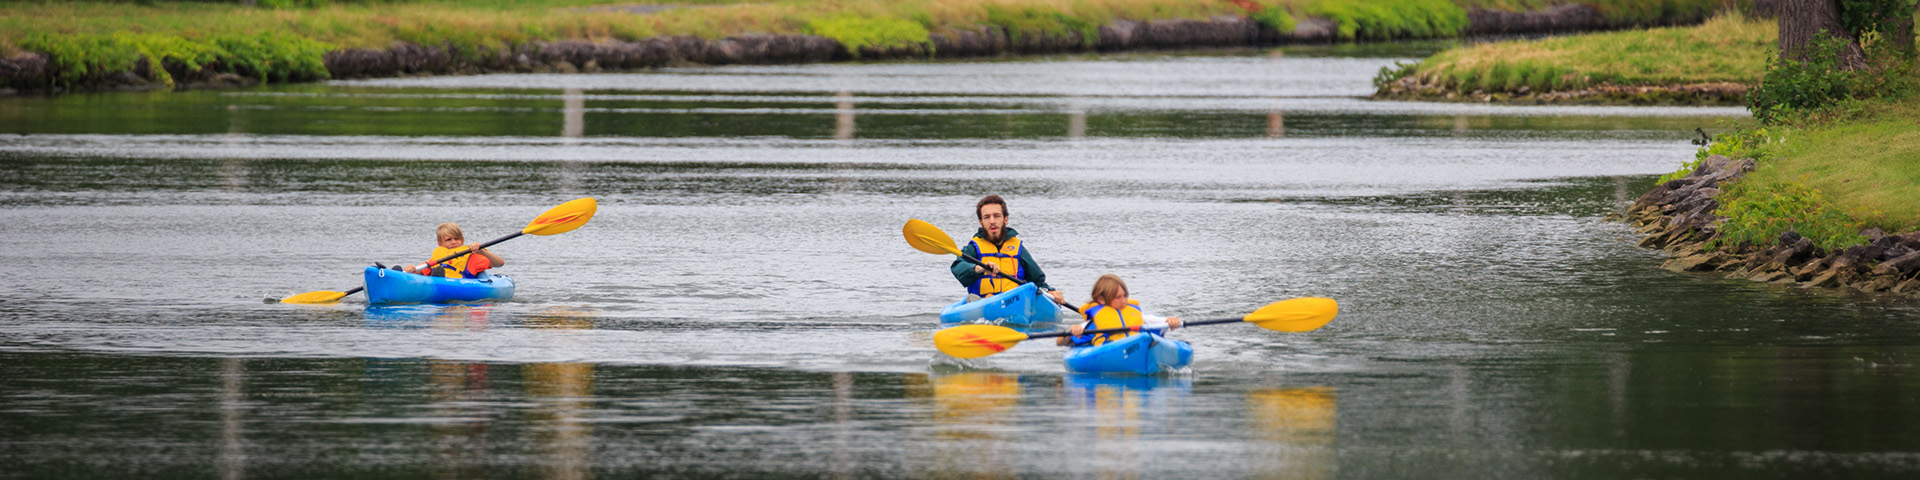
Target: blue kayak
(1024,305)
(393,286)
(1142,353)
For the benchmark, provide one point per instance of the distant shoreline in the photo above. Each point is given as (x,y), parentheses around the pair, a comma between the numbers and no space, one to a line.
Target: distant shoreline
(40,73)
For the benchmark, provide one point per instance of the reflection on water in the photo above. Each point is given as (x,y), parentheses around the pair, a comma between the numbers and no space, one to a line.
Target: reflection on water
(1295,429)
(975,412)
(1114,409)
(564,395)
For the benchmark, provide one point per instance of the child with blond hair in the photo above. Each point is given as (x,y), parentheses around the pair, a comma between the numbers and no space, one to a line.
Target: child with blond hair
(1111,308)
(451,241)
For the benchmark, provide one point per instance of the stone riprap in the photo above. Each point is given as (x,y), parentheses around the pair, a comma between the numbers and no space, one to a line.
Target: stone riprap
(1678,217)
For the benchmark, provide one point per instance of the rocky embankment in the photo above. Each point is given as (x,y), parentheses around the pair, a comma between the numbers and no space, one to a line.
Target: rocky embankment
(29,72)
(1419,87)
(1678,217)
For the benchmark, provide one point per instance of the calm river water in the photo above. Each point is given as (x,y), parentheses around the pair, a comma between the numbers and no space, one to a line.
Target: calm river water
(743,304)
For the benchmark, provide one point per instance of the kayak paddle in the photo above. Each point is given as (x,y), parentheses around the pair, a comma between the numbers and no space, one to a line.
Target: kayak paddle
(1296,315)
(928,238)
(560,219)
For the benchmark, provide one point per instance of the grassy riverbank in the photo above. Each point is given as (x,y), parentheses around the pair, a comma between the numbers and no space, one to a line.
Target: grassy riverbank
(376,24)
(81,43)
(1677,64)
(1826,180)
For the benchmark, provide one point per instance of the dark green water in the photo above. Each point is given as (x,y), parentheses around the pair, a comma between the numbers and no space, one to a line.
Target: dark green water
(743,305)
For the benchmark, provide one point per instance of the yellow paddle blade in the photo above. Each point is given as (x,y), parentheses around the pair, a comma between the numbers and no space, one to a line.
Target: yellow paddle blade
(323,296)
(1296,315)
(975,341)
(563,218)
(928,238)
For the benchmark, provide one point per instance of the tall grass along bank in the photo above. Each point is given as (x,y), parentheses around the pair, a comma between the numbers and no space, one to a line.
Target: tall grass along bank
(57,46)
(1711,63)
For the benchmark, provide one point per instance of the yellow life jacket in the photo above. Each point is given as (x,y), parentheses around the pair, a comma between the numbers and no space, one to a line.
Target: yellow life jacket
(1102,317)
(456,268)
(1007,257)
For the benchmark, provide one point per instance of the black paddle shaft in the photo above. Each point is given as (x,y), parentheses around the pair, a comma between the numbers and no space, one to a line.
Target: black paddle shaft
(1016,281)
(1069,333)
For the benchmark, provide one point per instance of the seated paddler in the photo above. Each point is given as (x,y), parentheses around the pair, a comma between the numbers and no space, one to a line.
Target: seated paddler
(451,240)
(1001,253)
(1111,308)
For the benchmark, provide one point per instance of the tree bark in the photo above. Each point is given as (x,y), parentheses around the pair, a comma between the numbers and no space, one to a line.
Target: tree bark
(1802,20)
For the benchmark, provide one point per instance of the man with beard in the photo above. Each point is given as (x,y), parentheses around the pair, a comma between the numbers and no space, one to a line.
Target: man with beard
(998,247)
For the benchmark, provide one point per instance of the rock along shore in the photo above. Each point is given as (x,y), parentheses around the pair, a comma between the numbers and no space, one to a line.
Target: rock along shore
(1677,217)
(1412,87)
(29,72)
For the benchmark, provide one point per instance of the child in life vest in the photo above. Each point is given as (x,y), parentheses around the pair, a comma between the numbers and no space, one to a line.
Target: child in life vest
(1111,308)
(452,241)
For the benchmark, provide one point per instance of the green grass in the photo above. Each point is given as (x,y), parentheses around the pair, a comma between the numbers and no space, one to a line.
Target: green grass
(90,41)
(1824,178)
(1728,48)
(1866,166)
(269,56)
(377,25)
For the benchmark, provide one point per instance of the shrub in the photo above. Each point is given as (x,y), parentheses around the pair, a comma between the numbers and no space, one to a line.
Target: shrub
(1747,143)
(1791,86)
(275,56)
(857,32)
(1276,18)
(1024,22)
(1388,19)
(1393,73)
(78,59)
(1758,212)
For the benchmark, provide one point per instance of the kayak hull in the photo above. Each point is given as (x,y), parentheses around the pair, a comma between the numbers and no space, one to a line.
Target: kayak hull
(386,287)
(1143,353)
(1024,305)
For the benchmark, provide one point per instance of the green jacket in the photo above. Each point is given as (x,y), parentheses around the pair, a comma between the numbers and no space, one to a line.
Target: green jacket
(963,270)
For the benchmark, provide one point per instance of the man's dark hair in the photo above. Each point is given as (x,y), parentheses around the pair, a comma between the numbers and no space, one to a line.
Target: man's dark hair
(990,200)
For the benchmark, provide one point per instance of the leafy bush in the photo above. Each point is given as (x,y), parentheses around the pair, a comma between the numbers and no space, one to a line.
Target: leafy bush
(1796,85)
(275,57)
(82,59)
(1388,19)
(1747,143)
(1393,73)
(857,32)
(1275,18)
(1758,212)
(1024,22)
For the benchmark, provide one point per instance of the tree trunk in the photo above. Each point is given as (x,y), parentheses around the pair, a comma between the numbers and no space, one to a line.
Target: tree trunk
(1802,20)
(1902,34)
